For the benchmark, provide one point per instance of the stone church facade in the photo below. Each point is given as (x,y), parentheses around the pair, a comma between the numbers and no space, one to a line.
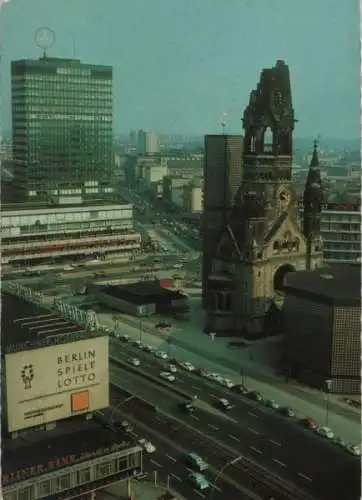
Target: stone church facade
(263,240)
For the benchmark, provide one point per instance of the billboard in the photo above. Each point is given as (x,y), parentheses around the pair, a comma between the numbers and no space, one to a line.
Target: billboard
(52,383)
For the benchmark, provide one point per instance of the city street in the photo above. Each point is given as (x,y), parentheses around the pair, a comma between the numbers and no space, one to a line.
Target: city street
(270,438)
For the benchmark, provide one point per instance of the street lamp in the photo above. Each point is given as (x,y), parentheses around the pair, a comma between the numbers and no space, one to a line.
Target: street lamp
(140,330)
(233,461)
(328,383)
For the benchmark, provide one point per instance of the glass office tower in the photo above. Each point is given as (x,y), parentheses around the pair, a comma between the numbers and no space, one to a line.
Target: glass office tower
(62,118)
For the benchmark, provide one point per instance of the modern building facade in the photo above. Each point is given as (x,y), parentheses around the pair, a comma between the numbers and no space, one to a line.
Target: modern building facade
(147,143)
(62,120)
(256,242)
(223,165)
(322,328)
(341,232)
(34,233)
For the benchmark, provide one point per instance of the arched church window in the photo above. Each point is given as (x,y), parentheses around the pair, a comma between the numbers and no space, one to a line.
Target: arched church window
(276,246)
(268,140)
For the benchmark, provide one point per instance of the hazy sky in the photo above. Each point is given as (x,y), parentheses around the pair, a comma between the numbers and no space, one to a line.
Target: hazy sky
(179,64)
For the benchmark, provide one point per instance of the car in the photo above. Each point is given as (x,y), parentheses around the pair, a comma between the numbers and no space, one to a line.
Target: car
(123,338)
(354,449)
(163,324)
(325,432)
(187,407)
(148,348)
(288,412)
(147,445)
(172,368)
(167,376)
(226,382)
(194,461)
(186,365)
(240,388)
(271,403)
(255,396)
(134,361)
(201,372)
(199,481)
(137,343)
(310,423)
(125,425)
(225,404)
(215,377)
(161,354)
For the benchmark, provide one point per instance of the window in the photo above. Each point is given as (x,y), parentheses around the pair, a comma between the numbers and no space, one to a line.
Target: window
(105,469)
(44,489)
(84,476)
(63,482)
(25,494)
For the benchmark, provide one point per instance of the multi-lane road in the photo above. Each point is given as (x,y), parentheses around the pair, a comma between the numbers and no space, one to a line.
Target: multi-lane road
(281,445)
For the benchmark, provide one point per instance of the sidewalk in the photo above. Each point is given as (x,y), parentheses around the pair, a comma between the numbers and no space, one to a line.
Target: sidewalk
(140,489)
(189,343)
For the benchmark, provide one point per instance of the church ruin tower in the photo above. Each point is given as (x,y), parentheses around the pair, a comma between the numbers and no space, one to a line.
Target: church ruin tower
(262,241)
(312,208)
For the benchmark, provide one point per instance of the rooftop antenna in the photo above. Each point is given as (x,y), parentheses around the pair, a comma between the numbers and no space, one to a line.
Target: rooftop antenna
(223,123)
(74,49)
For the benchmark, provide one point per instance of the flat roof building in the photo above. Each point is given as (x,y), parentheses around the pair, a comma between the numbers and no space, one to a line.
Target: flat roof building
(62,120)
(32,233)
(140,299)
(322,327)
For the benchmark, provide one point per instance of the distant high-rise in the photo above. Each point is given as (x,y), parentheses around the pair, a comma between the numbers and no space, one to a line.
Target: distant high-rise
(147,143)
(222,177)
(62,118)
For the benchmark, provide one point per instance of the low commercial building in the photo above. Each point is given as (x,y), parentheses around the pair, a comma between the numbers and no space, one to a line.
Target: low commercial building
(322,328)
(140,299)
(55,379)
(33,233)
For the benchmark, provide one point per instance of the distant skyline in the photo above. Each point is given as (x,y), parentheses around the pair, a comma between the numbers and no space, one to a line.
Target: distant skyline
(180,64)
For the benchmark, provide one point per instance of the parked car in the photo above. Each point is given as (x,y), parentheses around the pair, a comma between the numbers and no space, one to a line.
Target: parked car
(325,432)
(255,396)
(134,361)
(201,372)
(161,354)
(310,423)
(226,382)
(167,376)
(240,388)
(172,368)
(198,480)
(288,412)
(354,449)
(123,338)
(148,348)
(271,403)
(147,445)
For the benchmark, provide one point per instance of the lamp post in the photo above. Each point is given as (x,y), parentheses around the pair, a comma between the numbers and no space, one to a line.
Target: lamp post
(233,461)
(140,330)
(328,383)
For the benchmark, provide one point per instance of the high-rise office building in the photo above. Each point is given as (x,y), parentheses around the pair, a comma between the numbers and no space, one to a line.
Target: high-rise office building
(62,118)
(147,143)
(222,177)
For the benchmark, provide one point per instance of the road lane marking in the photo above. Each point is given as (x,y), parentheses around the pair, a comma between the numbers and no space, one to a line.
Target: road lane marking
(252,414)
(256,450)
(195,417)
(275,442)
(198,493)
(176,477)
(213,427)
(231,436)
(278,462)
(171,458)
(305,477)
(216,487)
(250,429)
(154,462)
